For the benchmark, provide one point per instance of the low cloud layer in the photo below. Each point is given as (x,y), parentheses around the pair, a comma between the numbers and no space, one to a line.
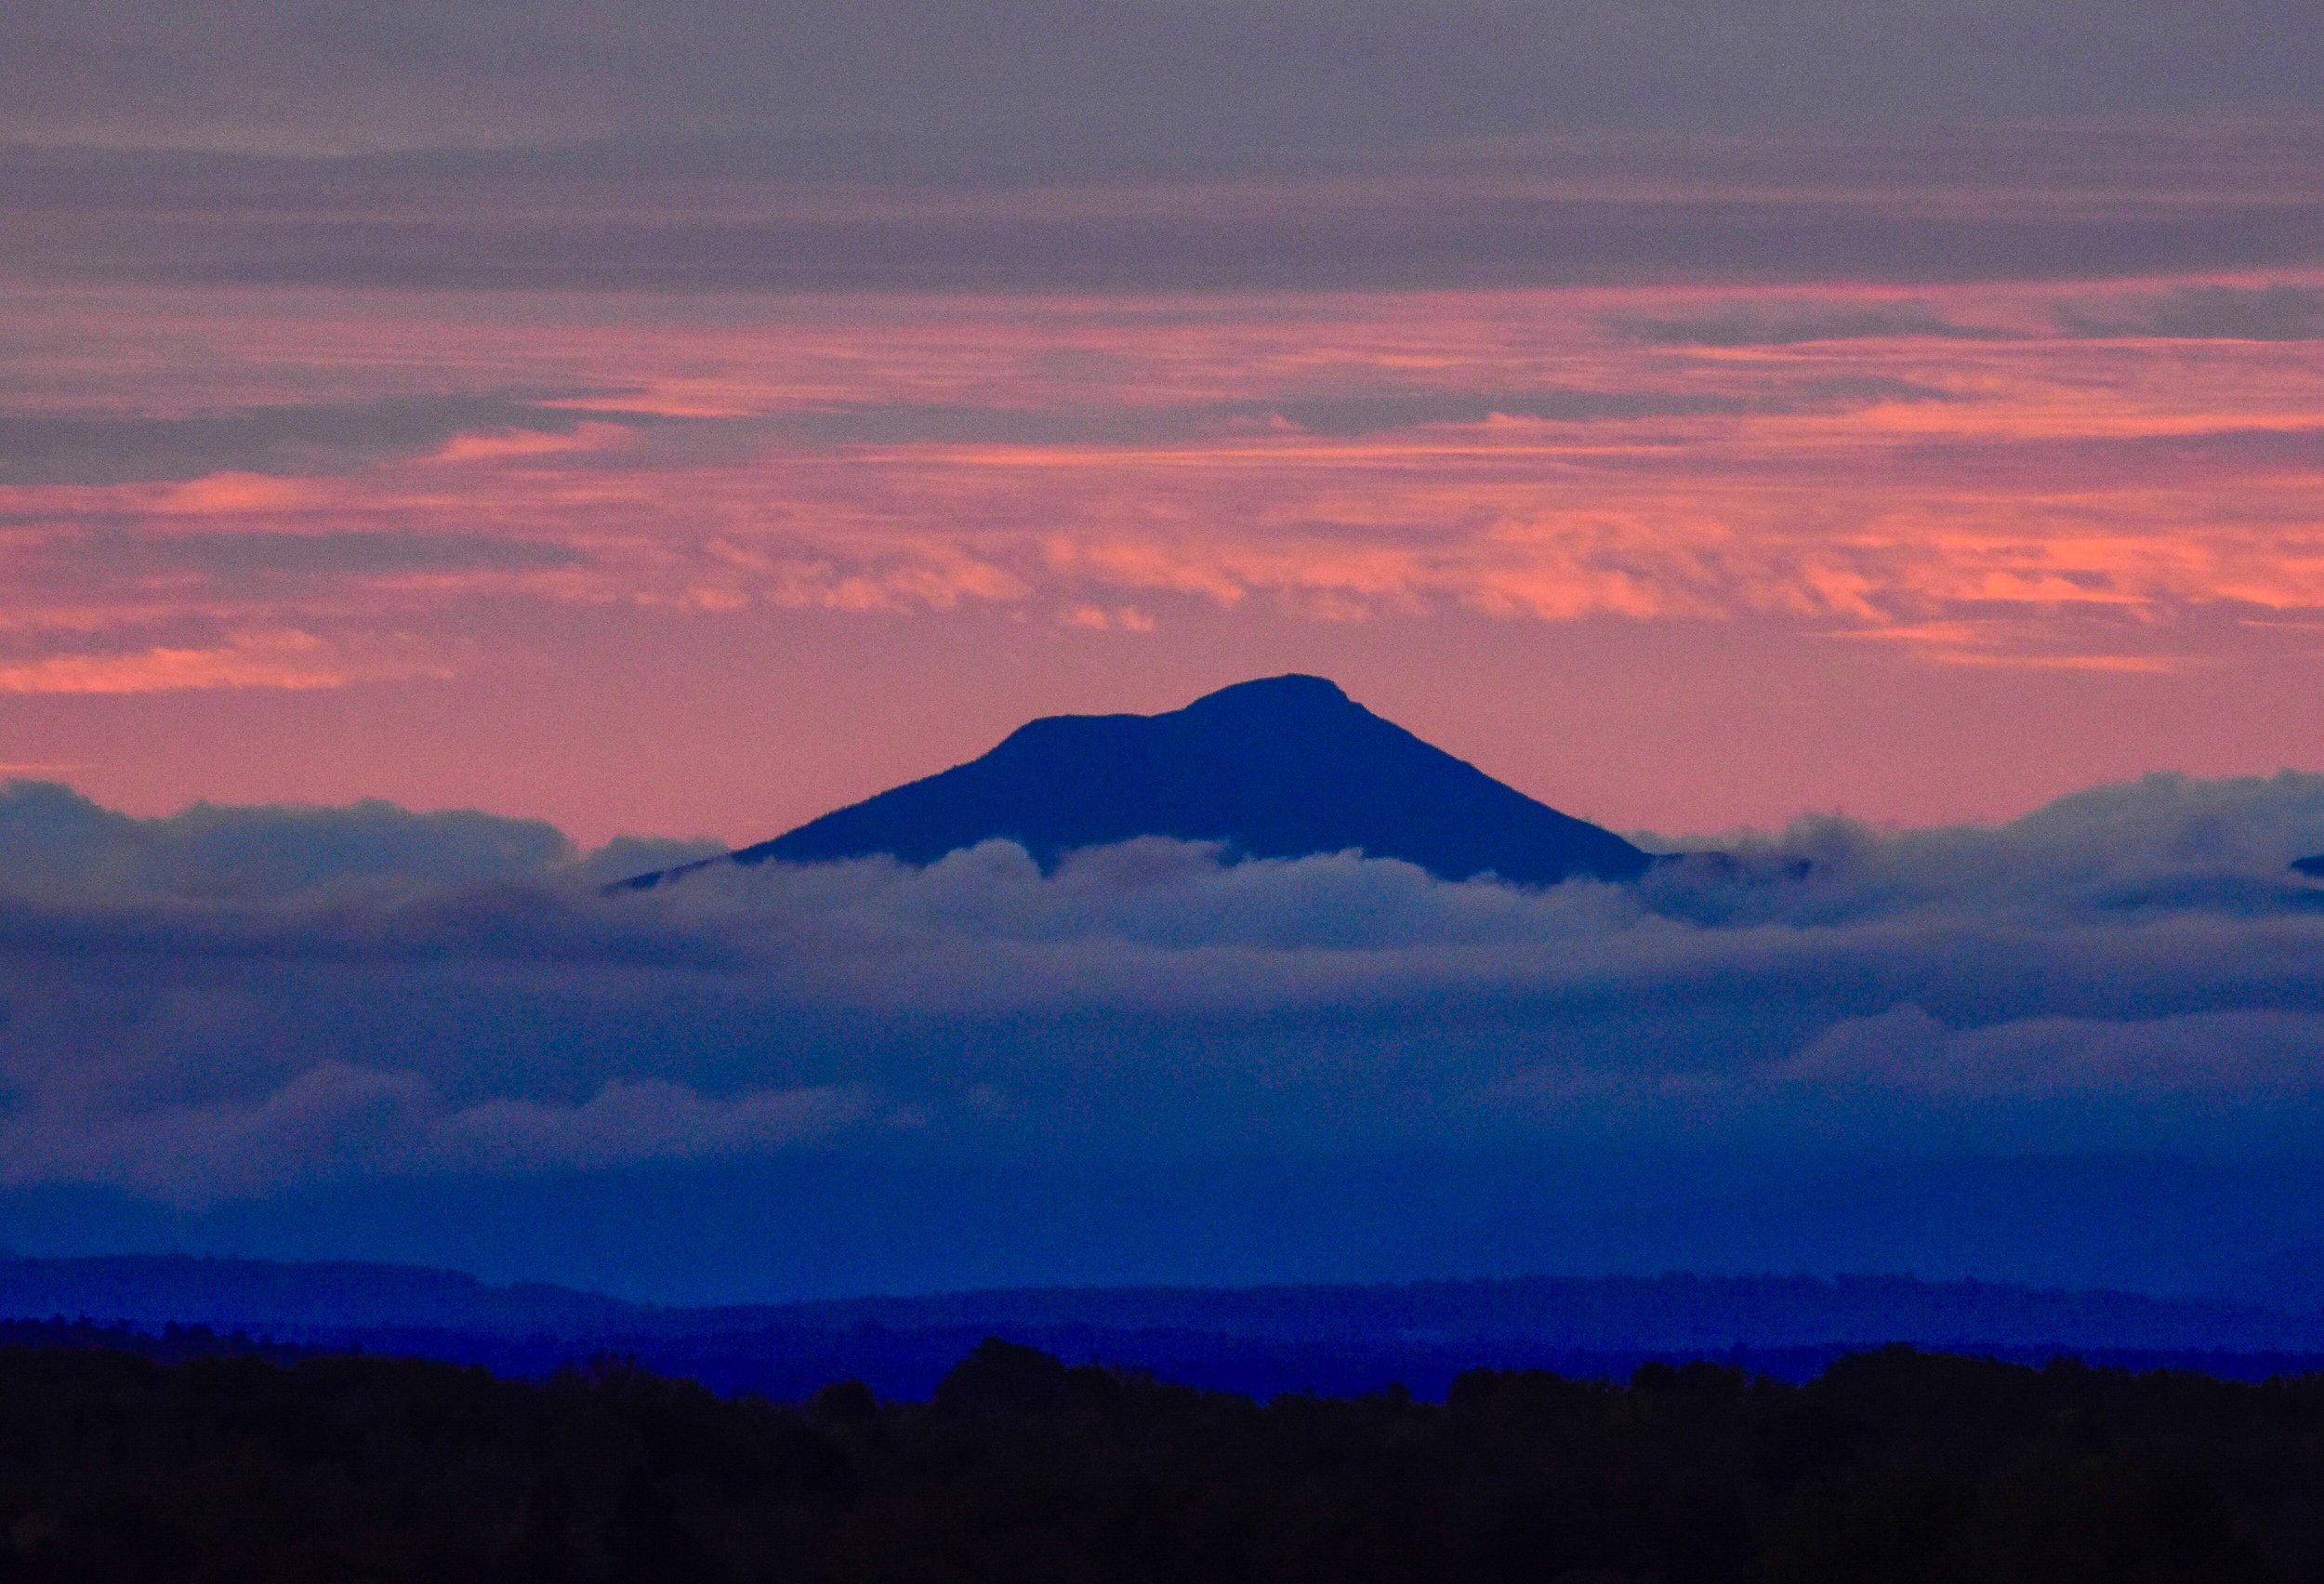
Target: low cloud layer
(232,1003)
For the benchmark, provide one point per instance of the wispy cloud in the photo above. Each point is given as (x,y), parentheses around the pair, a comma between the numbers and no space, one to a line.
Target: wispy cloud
(286,439)
(2284,311)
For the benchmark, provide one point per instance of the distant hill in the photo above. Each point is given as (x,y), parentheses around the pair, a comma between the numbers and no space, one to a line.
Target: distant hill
(1280,768)
(287,1298)
(1613,1314)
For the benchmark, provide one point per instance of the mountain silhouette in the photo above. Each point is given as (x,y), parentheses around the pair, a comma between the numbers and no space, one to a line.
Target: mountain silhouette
(1279,767)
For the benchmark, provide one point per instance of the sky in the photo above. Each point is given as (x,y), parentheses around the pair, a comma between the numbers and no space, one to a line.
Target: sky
(455,453)
(684,420)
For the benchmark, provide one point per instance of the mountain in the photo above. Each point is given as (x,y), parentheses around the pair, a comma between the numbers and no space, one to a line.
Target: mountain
(1279,767)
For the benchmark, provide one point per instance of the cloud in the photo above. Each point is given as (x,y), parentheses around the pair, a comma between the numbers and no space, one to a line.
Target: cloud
(1342,414)
(334,1121)
(2281,312)
(282,441)
(625,856)
(230,1003)
(1359,415)
(2249,1057)
(56,842)
(1797,324)
(1951,197)
(257,554)
(1302,232)
(283,658)
(644,1119)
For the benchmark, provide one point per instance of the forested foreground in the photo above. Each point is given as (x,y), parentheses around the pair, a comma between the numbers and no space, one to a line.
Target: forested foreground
(1893,1465)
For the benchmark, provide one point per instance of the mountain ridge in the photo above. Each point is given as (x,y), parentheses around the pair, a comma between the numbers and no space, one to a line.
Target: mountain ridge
(1673,1310)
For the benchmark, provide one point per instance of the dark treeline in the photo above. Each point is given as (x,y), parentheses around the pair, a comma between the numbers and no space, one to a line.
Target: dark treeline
(1892,1466)
(793,1362)
(167,1344)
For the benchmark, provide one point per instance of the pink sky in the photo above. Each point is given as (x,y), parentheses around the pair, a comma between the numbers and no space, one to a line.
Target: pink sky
(1680,557)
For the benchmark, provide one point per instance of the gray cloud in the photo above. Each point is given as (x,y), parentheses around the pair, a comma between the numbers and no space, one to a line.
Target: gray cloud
(1357,414)
(55,842)
(333,1121)
(2204,314)
(324,436)
(249,553)
(625,856)
(2248,1057)
(1349,415)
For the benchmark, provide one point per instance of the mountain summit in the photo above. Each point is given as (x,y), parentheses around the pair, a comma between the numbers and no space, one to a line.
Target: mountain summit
(1279,767)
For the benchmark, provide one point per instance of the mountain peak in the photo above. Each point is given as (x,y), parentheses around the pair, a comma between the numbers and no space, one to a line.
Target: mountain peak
(1279,767)
(1292,692)
(1284,703)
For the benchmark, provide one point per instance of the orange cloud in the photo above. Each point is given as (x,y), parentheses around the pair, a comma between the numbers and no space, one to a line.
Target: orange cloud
(233,495)
(282,659)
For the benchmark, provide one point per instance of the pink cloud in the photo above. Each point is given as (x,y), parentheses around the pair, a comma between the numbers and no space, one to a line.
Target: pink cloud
(1283,476)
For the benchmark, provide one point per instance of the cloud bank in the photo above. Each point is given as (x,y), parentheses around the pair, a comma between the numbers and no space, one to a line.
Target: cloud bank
(231,1003)
(1151,144)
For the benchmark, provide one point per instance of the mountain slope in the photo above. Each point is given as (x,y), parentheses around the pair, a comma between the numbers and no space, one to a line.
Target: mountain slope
(1279,767)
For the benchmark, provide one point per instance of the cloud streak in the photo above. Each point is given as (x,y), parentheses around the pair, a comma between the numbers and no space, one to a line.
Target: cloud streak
(279,659)
(287,439)
(1794,324)
(332,1122)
